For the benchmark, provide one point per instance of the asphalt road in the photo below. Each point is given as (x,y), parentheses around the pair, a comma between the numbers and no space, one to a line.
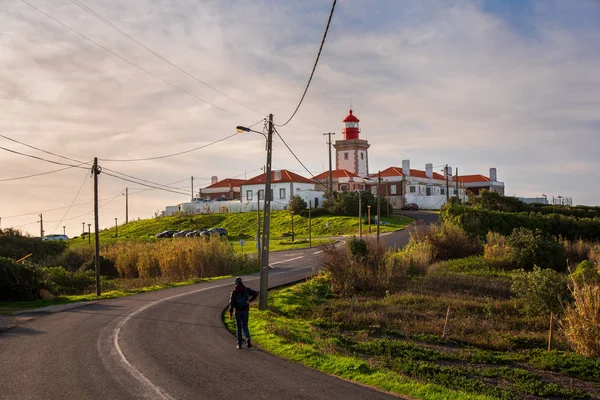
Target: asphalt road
(169,344)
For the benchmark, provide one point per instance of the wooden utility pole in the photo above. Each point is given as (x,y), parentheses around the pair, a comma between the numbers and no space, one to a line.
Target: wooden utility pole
(95,172)
(41,226)
(447,187)
(378,206)
(309,224)
(126,205)
(90,234)
(457,189)
(292,214)
(264,266)
(116,229)
(258,226)
(192,188)
(330,166)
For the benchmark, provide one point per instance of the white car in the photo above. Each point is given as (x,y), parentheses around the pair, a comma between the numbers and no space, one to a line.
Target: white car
(56,237)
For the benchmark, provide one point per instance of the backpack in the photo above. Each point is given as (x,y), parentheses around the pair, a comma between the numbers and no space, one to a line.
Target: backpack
(240,300)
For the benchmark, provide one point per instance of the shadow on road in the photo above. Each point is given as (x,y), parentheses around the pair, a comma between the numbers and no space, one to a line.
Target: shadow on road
(20,331)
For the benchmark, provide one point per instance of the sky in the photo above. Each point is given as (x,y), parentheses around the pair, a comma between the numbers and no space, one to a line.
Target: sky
(510,84)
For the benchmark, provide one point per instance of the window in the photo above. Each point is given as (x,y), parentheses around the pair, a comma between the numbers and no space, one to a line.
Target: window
(362,156)
(282,193)
(428,191)
(249,195)
(345,156)
(344,187)
(442,191)
(413,189)
(316,202)
(271,198)
(393,189)
(374,190)
(261,194)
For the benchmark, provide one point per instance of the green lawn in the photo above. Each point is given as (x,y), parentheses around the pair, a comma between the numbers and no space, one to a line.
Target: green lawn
(243,226)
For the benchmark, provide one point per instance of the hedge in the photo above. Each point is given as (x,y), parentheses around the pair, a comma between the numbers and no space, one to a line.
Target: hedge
(480,222)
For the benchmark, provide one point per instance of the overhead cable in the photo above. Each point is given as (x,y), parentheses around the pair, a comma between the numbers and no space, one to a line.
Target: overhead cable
(72,202)
(87,9)
(296,157)
(314,66)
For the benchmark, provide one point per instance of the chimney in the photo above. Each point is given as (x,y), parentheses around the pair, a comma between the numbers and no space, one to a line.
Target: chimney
(493,175)
(213,180)
(429,171)
(406,167)
(449,172)
(277,175)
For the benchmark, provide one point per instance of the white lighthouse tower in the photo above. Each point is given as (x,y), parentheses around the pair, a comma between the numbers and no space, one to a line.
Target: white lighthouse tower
(352,152)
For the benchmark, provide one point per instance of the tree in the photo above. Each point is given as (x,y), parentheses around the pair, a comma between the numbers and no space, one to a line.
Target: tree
(297,204)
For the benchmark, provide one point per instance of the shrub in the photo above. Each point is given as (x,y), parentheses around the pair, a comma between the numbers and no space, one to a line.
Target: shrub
(18,282)
(585,273)
(496,251)
(60,281)
(346,202)
(297,205)
(451,241)
(367,268)
(576,251)
(14,245)
(581,322)
(107,267)
(594,255)
(529,248)
(71,260)
(541,290)
(416,257)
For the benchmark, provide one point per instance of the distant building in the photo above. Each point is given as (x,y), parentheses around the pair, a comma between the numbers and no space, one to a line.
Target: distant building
(227,189)
(284,185)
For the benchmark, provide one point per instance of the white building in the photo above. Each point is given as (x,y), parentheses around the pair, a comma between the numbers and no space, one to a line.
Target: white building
(284,185)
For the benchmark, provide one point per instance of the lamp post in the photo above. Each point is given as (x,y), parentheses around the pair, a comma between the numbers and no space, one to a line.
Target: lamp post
(82,228)
(264,262)
(89,234)
(64,229)
(292,214)
(369,216)
(359,214)
(116,229)
(545,198)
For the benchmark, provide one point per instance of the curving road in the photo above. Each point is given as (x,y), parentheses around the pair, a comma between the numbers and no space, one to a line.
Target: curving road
(169,344)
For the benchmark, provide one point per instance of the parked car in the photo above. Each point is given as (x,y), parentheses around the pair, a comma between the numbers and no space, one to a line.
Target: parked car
(411,206)
(217,231)
(55,237)
(182,233)
(166,234)
(195,233)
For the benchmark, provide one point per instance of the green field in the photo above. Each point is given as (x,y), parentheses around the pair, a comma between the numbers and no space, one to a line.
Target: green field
(243,226)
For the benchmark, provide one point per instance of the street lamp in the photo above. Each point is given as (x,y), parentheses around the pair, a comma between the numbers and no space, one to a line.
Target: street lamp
(264,253)
(89,234)
(64,227)
(369,216)
(116,229)
(292,214)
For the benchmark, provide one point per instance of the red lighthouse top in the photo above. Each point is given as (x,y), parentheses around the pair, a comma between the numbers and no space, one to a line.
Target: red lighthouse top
(351,129)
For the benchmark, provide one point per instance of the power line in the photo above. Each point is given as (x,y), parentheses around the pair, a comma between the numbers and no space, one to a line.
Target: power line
(169,155)
(296,157)
(43,159)
(314,66)
(33,175)
(42,150)
(143,184)
(87,9)
(72,202)
(138,179)
(126,60)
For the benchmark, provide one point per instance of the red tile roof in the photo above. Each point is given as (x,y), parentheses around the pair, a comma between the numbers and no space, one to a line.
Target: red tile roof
(226,183)
(286,176)
(397,171)
(337,173)
(471,178)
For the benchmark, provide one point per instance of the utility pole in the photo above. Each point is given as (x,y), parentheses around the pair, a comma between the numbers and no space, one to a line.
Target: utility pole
(89,234)
(82,228)
(95,172)
(457,198)
(309,224)
(64,230)
(369,216)
(292,214)
(258,248)
(41,226)
(192,188)
(116,229)
(447,187)
(264,267)
(330,167)
(387,200)
(126,205)
(359,214)
(378,206)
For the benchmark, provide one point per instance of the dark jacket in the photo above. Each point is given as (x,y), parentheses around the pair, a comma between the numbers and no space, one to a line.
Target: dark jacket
(238,288)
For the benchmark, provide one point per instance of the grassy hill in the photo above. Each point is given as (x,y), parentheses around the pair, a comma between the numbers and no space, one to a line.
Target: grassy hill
(243,226)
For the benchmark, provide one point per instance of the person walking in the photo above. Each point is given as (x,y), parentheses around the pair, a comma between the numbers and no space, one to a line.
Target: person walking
(240,299)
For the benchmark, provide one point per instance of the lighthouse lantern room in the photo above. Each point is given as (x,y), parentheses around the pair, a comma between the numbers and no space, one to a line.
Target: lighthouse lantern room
(352,152)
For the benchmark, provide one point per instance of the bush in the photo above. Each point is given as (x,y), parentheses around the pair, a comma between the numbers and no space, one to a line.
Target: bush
(576,251)
(529,248)
(71,260)
(451,241)
(346,203)
(541,291)
(18,282)
(297,205)
(585,273)
(581,322)
(416,257)
(594,255)
(107,267)
(362,267)
(497,252)
(60,281)
(14,245)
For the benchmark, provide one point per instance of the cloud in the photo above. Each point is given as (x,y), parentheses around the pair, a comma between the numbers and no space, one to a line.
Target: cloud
(456,82)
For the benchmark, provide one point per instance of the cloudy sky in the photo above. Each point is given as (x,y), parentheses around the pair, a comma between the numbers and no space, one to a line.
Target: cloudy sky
(511,84)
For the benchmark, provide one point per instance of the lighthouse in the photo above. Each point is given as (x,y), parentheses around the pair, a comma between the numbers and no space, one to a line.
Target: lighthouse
(352,152)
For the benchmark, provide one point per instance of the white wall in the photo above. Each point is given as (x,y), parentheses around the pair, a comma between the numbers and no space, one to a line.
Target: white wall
(276,191)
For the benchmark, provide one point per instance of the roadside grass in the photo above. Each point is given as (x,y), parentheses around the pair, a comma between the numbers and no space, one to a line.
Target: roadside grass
(125,287)
(394,342)
(278,245)
(243,226)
